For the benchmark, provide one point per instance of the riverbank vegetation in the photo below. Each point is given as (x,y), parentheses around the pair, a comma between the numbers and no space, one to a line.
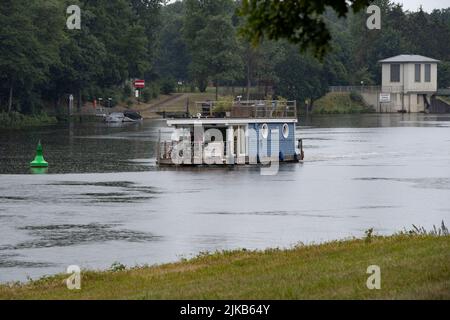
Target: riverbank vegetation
(414,265)
(16,120)
(176,45)
(341,103)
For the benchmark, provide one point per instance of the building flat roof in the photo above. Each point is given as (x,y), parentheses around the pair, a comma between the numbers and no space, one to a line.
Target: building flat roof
(408,58)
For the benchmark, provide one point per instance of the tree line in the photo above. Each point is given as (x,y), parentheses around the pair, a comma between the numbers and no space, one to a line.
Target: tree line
(42,61)
(199,43)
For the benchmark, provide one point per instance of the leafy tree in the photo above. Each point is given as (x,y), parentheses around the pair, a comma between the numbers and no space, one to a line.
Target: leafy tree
(298,21)
(216,56)
(148,16)
(41,62)
(29,46)
(444,74)
(110,48)
(301,77)
(173,58)
(213,57)
(260,64)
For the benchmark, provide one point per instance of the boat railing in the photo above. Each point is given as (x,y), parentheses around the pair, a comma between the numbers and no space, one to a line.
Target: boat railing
(193,152)
(245,109)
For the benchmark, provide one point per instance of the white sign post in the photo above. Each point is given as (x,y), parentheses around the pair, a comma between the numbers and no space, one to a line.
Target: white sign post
(384,98)
(70,104)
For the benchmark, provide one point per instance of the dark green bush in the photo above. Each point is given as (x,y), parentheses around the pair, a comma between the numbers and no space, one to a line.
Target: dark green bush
(147,94)
(167,86)
(127,92)
(155,90)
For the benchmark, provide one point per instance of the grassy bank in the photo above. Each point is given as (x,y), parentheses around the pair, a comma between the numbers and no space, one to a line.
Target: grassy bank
(340,103)
(16,120)
(412,267)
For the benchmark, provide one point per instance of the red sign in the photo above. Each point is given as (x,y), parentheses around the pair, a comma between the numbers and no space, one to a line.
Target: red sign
(139,84)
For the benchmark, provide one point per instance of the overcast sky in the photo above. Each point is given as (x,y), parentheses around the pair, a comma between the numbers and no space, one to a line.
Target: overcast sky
(413,5)
(428,5)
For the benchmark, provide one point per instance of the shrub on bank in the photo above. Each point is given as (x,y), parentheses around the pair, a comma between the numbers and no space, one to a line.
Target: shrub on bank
(147,94)
(341,103)
(224,104)
(19,120)
(167,86)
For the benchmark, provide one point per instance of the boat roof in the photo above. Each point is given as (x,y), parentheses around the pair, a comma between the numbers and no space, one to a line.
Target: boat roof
(226,121)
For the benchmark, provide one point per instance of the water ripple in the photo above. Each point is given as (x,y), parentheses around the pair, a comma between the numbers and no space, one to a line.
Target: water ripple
(65,235)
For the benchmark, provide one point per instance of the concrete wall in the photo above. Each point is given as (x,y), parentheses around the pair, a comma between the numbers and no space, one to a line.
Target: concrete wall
(371,99)
(439,106)
(412,86)
(407,79)
(415,102)
(409,102)
(386,78)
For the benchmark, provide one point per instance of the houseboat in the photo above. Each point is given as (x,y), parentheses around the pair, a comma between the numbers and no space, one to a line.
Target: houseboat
(233,133)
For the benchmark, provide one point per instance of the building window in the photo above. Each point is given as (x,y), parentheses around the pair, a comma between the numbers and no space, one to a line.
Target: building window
(428,72)
(417,73)
(395,73)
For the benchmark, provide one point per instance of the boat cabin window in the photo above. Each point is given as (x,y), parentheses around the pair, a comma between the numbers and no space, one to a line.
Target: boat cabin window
(265,131)
(285,130)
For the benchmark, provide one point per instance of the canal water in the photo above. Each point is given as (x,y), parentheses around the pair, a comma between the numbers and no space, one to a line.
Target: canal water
(103,200)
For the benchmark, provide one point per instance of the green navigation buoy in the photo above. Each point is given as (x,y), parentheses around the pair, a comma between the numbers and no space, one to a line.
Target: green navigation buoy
(39,161)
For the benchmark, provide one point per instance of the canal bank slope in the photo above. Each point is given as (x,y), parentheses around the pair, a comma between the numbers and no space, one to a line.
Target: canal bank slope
(412,267)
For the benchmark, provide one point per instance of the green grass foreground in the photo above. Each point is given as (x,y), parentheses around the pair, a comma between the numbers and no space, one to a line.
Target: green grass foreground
(412,267)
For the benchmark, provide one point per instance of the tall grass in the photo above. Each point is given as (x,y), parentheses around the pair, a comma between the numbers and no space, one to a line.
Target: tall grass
(421,231)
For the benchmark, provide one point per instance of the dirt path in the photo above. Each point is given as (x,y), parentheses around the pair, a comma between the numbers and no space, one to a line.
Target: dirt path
(149,110)
(175,102)
(174,99)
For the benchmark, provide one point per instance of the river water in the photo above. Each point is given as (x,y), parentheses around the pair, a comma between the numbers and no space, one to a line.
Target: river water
(103,200)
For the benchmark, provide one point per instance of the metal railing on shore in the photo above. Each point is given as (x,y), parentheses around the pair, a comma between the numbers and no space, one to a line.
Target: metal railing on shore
(367,89)
(355,88)
(245,109)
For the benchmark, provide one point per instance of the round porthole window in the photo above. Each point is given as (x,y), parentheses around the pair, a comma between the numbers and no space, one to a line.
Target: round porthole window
(265,131)
(285,130)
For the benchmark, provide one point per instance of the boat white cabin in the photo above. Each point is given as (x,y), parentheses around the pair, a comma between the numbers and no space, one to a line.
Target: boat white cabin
(242,132)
